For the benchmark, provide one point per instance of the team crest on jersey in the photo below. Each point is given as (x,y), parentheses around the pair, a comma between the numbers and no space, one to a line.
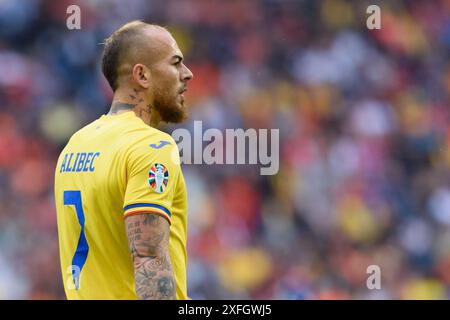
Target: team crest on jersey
(158,177)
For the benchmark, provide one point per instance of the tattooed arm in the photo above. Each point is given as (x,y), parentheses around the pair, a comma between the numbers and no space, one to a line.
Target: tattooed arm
(148,241)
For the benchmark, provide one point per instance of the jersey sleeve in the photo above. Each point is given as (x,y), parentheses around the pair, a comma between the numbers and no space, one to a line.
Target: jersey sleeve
(152,175)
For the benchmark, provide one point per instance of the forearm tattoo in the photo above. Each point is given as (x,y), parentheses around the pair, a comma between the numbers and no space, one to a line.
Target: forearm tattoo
(148,237)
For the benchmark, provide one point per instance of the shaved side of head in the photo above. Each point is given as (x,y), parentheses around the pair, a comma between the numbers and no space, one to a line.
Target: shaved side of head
(134,42)
(144,66)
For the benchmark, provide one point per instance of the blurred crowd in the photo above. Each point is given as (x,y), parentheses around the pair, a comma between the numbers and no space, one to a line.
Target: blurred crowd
(364,126)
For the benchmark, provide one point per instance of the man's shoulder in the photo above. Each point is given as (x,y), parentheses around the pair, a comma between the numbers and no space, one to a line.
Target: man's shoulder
(160,139)
(127,136)
(84,129)
(146,134)
(148,140)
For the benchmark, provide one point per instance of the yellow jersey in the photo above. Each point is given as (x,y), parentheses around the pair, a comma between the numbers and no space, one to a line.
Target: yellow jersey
(114,167)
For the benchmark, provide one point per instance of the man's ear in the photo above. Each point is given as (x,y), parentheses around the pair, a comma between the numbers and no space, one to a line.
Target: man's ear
(141,74)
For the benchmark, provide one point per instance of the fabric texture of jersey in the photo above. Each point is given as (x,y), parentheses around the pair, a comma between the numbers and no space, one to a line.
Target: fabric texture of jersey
(112,168)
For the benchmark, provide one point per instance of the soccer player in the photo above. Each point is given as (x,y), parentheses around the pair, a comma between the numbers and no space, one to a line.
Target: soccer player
(119,191)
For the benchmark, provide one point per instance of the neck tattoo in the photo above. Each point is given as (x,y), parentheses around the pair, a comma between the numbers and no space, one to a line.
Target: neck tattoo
(120,106)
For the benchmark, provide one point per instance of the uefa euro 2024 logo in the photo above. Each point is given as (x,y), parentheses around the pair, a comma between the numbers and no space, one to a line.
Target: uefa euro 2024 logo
(158,177)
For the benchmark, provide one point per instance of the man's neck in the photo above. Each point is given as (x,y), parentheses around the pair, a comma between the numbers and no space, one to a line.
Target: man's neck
(118,107)
(134,100)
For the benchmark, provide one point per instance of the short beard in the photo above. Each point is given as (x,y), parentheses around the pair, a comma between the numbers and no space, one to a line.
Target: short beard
(168,108)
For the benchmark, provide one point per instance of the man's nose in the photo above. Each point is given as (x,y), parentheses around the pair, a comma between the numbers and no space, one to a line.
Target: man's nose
(187,74)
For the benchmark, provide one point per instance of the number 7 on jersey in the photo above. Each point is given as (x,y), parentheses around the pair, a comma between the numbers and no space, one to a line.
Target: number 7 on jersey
(73,197)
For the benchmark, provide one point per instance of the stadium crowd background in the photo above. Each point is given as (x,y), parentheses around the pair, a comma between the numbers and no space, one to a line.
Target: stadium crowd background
(364,142)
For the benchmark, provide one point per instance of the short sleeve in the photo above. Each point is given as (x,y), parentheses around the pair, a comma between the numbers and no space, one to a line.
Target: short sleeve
(152,175)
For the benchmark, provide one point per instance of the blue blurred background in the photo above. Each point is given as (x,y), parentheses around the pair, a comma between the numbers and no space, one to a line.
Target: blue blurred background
(364,131)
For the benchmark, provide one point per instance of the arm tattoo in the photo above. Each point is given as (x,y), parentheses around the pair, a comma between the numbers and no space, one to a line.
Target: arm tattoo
(148,241)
